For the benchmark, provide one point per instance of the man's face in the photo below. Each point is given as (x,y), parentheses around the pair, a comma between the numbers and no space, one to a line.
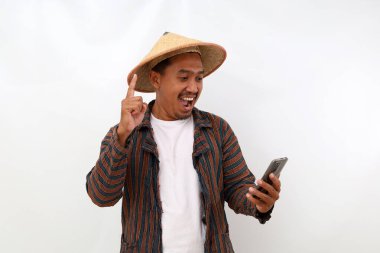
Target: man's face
(178,87)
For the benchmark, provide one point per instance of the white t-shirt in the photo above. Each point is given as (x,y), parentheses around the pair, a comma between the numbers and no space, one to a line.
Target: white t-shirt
(182,227)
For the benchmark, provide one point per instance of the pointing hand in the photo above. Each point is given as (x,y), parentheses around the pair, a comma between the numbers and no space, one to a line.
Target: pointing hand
(132,112)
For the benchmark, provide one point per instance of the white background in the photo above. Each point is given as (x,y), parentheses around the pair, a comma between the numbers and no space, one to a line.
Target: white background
(301,80)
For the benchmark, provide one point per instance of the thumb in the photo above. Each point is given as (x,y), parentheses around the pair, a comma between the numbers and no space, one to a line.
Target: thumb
(144,107)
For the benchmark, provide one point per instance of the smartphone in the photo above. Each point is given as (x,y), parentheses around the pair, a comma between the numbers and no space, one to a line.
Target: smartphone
(274,167)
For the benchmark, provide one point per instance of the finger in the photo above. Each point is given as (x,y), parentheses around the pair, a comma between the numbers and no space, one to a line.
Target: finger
(133,99)
(276,182)
(144,108)
(263,208)
(253,200)
(133,106)
(128,102)
(269,188)
(137,107)
(261,205)
(131,88)
(262,196)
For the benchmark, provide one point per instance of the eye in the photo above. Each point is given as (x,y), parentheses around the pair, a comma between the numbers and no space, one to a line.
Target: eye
(199,78)
(183,78)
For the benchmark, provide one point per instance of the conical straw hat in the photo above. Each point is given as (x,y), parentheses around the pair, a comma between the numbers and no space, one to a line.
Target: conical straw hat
(171,44)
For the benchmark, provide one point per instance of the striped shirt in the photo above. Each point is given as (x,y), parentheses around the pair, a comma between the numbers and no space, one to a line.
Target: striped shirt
(130,172)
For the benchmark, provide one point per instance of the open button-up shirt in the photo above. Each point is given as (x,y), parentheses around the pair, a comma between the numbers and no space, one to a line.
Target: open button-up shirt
(130,172)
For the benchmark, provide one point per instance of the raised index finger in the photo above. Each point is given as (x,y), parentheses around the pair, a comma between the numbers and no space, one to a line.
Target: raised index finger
(275,182)
(131,88)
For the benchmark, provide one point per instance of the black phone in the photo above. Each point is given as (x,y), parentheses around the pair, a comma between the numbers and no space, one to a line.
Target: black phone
(274,167)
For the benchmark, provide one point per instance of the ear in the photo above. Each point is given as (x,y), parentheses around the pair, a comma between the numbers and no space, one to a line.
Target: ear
(154,78)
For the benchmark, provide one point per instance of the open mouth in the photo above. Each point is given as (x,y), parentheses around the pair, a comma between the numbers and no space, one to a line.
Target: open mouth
(187,102)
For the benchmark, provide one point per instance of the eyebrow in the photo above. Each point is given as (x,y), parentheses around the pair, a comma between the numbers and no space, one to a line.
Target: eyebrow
(191,72)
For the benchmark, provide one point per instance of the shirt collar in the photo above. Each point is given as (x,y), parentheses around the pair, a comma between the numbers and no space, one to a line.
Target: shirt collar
(200,119)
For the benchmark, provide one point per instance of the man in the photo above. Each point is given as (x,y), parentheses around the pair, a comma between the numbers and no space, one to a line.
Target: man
(172,164)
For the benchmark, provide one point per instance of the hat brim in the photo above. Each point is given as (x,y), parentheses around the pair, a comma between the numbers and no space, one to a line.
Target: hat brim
(212,55)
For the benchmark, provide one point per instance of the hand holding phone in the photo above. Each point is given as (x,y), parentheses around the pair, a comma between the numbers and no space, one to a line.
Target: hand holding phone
(274,167)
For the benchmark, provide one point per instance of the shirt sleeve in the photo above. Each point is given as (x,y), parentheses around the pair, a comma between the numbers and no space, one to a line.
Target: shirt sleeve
(105,182)
(237,177)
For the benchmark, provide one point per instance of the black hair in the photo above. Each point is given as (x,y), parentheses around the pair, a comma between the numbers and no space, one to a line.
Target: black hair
(161,66)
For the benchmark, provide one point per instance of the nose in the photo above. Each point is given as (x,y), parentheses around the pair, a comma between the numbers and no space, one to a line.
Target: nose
(192,87)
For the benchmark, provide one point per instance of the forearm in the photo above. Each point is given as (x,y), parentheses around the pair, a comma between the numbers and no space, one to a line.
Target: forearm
(238,178)
(122,135)
(106,180)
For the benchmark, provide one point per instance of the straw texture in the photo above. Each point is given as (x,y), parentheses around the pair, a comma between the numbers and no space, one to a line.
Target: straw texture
(170,44)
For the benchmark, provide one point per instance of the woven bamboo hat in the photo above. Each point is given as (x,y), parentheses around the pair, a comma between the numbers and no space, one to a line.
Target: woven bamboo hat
(171,44)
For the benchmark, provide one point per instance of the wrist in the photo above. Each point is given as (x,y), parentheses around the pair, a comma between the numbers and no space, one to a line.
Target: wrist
(122,135)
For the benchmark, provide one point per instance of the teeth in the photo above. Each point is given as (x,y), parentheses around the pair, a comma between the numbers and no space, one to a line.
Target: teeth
(188,99)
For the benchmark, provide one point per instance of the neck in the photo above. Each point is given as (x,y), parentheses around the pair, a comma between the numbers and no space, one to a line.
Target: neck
(159,112)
